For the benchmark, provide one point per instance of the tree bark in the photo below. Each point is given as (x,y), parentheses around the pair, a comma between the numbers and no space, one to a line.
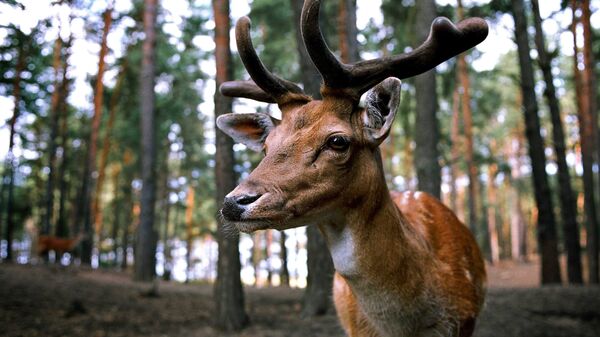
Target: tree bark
(189,230)
(347,31)
(106,145)
(427,132)
(590,93)
(567,197)
(317,295)
(491,209)
(546,227)
(228,295)
(284,273)
(8,180)
(87,243)
(455,151)
(145,247)
(62,229)
(54,119)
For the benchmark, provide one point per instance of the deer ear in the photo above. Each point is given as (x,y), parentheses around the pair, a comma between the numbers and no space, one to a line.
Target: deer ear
(250,129)
(381,105)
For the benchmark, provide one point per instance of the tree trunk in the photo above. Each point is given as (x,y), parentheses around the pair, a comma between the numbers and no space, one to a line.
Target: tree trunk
(106,144)
(426,126)
(268,242)
(63,187)
(317,296)
(87,243)
(284,274)
(567,197)
(54,119)
(491,209)
(228,293)
(117,213)
(546,227)
(189,230)
(590,93)
(8,180)
(145,247)
(347,31)
(455,151)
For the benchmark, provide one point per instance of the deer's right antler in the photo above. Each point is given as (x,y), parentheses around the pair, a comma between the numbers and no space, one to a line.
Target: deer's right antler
(445,41)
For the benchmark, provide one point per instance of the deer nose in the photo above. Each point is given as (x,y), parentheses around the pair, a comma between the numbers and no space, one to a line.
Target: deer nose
(234,206)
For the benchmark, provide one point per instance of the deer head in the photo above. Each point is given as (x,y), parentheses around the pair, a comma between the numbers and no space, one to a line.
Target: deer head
(322,157)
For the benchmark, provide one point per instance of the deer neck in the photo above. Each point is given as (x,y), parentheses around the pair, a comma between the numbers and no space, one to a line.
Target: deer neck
(372,240)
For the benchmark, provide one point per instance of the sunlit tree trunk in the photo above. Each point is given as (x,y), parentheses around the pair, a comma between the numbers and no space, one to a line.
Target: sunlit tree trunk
(87,243)
(145,246)
(455,151)
(317,296)
(189,229)
(491,209)
(268,241)
(230,312)
(347,31)
(426,126)
(546,223)
(106,145)
(567,199)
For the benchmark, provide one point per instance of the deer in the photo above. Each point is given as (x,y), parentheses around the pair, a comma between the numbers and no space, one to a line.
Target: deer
(405,265)
(47,243)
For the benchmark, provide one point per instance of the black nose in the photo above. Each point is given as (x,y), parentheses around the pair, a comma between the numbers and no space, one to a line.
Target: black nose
(233,207)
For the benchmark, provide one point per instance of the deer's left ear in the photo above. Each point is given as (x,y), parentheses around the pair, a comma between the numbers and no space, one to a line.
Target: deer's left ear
(250,129)
(381,105)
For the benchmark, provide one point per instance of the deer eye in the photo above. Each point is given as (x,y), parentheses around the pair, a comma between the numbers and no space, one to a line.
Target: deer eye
(338,143)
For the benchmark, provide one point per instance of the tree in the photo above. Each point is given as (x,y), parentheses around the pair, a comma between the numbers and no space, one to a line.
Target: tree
(317,296)
(426,124)
(463,77)
(567,199)
(546,226)
(228,294)
(87,182)
(590,95)
(145,247)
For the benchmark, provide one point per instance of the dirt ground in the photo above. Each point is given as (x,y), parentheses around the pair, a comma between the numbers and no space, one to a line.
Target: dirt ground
(50,301)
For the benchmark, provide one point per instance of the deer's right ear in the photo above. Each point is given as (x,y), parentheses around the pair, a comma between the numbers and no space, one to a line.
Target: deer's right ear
(381,106)
(250,129)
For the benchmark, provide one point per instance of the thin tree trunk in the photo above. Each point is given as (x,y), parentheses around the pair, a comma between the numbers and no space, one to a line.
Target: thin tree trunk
(106,145)
(590,94)
(427,132)
(317,295)
(284,273)
(87,243)
(546,230)
(63,187)
(256,252)
(463,76)
(491,209)
(54,119)
(167,262)
(455,151)
(567,198)
(145,248)
(9,180)
(230,311)
(117,214)
(189,230)
(268,241)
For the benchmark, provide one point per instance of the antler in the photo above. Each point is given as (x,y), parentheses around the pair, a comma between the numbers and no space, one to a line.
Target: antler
(445,41)
(265,86)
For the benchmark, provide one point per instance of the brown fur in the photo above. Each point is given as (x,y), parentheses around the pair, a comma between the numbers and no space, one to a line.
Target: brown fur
(60,246)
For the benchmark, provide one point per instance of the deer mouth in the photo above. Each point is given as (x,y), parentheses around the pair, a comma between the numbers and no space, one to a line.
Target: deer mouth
(249,226)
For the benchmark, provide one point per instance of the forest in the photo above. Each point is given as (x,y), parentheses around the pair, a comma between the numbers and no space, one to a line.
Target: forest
(113,171)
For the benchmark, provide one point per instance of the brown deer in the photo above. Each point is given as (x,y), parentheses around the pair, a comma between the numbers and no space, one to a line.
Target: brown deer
(47,243)
(405,265)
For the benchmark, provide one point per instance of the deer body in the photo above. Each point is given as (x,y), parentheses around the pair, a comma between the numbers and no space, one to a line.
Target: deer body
(60,246)
(406,266)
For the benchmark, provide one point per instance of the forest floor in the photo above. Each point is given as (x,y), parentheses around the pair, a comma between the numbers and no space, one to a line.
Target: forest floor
(52,301)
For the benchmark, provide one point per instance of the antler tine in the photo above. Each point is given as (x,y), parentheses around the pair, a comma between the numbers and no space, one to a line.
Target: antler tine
(270,84)
(246,89)
(445,41)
